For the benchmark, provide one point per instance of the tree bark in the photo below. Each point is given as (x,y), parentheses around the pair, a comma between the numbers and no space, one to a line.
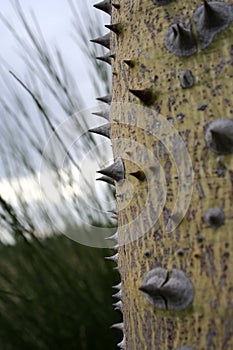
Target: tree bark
(187,102)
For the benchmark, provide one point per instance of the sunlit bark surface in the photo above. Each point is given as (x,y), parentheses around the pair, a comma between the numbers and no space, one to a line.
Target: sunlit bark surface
(202,252)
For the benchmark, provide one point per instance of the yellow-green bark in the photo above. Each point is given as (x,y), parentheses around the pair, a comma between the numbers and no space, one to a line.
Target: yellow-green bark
(208,252)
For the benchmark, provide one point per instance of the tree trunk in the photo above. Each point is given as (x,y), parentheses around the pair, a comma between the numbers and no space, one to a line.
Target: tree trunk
(172,83)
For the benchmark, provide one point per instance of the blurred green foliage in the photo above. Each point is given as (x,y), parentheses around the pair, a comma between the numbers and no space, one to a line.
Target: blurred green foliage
(56,294)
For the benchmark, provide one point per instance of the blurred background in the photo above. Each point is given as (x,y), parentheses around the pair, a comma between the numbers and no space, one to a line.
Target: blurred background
(55,285)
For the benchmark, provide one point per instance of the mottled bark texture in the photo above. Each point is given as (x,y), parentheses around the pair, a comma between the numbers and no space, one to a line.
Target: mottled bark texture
(164,61)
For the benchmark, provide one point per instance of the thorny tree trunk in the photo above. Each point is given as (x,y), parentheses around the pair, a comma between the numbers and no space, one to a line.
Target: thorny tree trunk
(189,85)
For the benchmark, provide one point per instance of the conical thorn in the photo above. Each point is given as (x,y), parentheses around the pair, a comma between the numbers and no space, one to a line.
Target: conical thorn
(147,96)
(103,114)
(117,286)
(106,99)
(103,40)
(117,295)
(113,214)
(114,237)
(118,306)
(122,344)
(219,136)
(179,40)
(140,175)
(115,171)
(103,130)
(130,63)
(117,6)
(116,28)
(115,247)
(106,179)
(104,6)
(106,58)
(210,19)
(113,258)
(119,326)
(113,55)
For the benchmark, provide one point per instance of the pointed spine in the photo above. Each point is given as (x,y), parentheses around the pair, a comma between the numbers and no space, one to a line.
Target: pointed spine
(106,179)
(116,248)
(103,40)
(180,40)
(106,58)
(211,18)
(116,28)
(118,306)
(103,130)
(147,96)
(113,55)
(119,326)
(122,344)
(104,6)
(115,171)
(140,175)
(106,99)
(130,63)
(117,6)
(113,214)
(103,114)
(113,258)
(118,295)
(117,286)
(113,237)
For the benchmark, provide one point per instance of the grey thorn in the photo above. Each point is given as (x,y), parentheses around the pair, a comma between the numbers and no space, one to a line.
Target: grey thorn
(103,114)
(116,28)
(106,179)
(103,40)
(180,40)
(118,286)
(168,291)
(116,171)
(117,6)
(118,295)
(122,344)
(219,136)
(113,237)
(147,96)
(104,6)
(106,99)
(116,248)
(113,258)
(186,79)
(114,217)
(106,58)
(211,18)
(113,214)
(119,326)
(131,63)
(161,2)
(113,55)
(103,130)
(117,268)
(214,217)
(118,306)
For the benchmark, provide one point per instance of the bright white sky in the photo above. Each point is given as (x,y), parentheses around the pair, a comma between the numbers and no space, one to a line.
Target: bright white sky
(54,17)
